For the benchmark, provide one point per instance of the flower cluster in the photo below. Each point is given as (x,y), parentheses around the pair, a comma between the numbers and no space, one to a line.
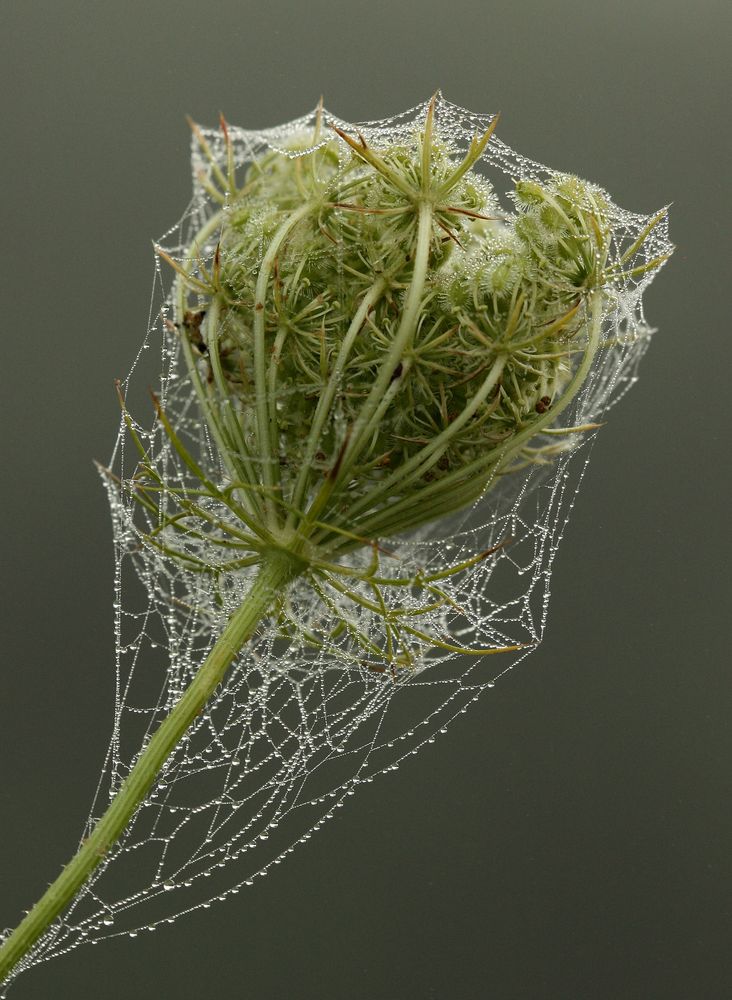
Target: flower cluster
(374,339)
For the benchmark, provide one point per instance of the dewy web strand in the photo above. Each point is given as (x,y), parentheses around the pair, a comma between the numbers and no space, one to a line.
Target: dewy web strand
(364,663)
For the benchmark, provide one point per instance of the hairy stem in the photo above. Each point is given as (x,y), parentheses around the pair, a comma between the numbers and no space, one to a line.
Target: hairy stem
(275,573)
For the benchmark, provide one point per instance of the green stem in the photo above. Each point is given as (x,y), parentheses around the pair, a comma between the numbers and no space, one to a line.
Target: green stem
(275,573)
(325,402)
(266,432)
(385,385)
(239,458)
(208,407)
(234,458)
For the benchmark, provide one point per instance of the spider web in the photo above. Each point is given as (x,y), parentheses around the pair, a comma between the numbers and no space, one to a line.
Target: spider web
(303,719)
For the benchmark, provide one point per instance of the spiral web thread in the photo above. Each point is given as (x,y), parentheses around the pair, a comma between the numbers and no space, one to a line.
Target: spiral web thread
(300,723)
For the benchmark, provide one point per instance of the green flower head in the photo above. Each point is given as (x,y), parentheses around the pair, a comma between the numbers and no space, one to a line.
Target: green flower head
(374,338)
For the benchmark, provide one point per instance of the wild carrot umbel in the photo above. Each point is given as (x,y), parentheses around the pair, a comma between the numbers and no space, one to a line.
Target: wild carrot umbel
(367,345)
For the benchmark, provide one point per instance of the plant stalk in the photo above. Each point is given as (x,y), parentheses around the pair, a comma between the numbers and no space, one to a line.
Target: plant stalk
(276,572)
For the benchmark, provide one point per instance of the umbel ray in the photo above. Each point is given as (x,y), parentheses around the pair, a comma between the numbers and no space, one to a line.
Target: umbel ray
(386,349)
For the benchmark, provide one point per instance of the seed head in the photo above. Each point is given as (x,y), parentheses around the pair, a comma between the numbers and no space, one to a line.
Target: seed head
(375,337)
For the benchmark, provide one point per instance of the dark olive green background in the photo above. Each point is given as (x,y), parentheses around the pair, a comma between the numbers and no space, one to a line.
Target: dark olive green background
(570,839)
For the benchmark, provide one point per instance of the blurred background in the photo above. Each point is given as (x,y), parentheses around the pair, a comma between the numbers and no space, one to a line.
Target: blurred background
(570,839)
